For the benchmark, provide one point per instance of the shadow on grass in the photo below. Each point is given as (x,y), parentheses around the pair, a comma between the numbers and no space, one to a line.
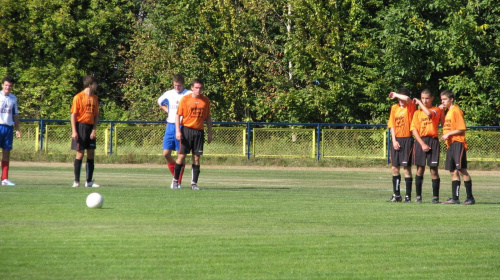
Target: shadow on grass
(236,189)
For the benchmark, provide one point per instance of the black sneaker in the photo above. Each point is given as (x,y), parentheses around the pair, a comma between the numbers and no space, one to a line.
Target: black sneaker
(435,200)
(407,199)
(419,199)
(469,201)
(395,198)
(451,201)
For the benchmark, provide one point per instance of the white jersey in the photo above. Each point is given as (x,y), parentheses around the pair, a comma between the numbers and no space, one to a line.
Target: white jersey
(171,99)
(8,108)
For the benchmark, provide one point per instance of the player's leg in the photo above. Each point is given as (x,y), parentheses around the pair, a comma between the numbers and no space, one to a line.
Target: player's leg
(7,133)
(407,150)
(5,168)
(169,144)
(396,184)
(419,181)
(468,186)
(195,172)
(408,183)
(436,183)
(89,168)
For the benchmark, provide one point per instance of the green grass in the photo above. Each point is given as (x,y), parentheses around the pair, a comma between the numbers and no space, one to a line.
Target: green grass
(244,224)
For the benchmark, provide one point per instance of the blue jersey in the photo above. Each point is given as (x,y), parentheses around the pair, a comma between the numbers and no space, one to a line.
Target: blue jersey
(171,99)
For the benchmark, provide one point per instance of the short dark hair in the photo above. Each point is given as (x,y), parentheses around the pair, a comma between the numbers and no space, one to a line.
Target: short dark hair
(426,91)
(197,81)
(8,79)
(404,91)
(178,78)
(448,93)
(88,81)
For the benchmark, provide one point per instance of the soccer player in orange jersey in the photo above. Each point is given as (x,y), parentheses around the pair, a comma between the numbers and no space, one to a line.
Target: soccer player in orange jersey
(192,113)
(424,127)
(402,142)
(84,119)
(456,156)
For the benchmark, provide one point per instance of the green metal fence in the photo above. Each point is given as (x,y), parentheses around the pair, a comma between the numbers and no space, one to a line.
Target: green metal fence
(244,140)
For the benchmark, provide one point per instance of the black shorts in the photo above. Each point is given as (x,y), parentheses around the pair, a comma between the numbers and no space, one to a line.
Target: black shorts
(192,140)
(84,142)
(402,157)
(456,157)
(431,157)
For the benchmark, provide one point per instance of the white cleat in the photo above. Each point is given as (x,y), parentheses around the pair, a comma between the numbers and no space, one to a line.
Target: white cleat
(91,184)
(6,182)
(76,184)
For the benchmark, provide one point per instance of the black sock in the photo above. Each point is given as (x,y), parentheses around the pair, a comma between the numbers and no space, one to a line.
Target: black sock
(89,167)
(195,173)
(435,187)
(468,188)
(396,183)
(177,171)
(419,181)
(408,183)
(78,166)
(455,189)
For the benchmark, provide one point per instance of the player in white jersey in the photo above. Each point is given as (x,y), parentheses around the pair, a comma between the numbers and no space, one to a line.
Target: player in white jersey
(9,121)
(168,102)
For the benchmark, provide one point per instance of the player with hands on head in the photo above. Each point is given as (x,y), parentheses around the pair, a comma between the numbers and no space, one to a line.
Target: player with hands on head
(402,142)
(424,127)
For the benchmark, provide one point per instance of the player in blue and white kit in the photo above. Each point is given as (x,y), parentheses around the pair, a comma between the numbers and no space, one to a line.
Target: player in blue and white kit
(9,121)
(168,102)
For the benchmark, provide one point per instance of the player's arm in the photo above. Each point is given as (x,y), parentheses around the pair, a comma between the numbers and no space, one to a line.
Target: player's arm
(395,143)
(208,121)
(178,133)
(94,128)
(74,132)
(424,146)
(16,125)
(422,106)
(394,95)
(451,133)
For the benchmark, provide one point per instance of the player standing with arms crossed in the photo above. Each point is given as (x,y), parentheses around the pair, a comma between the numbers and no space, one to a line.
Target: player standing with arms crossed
(456,156)
(9,121)
(193,111)
(84,119)
(424,127)
(168,102)
(402,142)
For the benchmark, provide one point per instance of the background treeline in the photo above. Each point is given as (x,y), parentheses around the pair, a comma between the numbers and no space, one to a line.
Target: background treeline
(272,61)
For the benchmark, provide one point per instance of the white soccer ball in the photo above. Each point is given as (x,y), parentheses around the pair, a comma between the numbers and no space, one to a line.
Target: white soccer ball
(95,200)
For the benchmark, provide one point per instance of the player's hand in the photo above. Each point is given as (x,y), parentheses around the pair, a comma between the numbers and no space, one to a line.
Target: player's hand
(441,107)
(209,138)
(415,101)
(178,136)
(74,136)
(396,146)
(392,95)
(18,134)
(92,135)
(444,137)
(426,148)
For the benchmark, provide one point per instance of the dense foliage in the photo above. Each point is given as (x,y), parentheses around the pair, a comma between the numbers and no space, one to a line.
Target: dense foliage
(271,61)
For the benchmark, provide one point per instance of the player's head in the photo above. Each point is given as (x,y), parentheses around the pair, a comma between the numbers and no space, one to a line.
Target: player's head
(89,82)
(426,97)
(447,98)
(404,91)
(197,86)
(178,82)
(7,83)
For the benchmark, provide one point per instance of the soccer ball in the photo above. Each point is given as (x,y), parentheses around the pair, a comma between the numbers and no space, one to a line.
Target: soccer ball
(95,200)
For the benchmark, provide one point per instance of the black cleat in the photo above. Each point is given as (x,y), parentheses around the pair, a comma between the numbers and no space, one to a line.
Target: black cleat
(469,201)
(395,198)
(435,200)
(407,199)
(419,199)
(451,201)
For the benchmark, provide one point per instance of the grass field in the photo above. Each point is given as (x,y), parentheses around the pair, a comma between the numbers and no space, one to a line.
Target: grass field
(245,223)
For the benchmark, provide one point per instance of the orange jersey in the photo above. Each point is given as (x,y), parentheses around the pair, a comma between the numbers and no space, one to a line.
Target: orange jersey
(454,120)
(426,126)
(85,107)
(400,119)
(194,111)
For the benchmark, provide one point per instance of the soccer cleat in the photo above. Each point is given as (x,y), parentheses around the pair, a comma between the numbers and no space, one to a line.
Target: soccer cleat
(419,199)
(175,185)
(76,184)
(469,201)
(194,187)
(407,199)
(6,182)
(435,200)
(395,198)
(451,201)
(91,184)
